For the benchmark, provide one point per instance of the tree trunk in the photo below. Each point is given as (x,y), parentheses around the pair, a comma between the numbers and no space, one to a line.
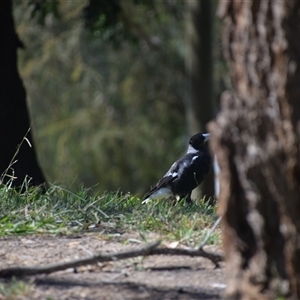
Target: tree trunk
(14,119)
(200,107)
(256,141)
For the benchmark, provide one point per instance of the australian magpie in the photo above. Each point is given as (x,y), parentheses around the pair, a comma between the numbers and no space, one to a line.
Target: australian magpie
(186,173)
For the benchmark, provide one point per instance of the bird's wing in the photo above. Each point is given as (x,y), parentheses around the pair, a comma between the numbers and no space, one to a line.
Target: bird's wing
(184,168)
(172,175)
(166,180)
(181,165)
(194,167)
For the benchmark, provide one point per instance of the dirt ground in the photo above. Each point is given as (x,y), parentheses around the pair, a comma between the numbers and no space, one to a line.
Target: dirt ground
(153,277)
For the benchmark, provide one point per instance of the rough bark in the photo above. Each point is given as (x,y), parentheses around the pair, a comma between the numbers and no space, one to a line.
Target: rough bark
(14,119)
(256,143)
(200,107)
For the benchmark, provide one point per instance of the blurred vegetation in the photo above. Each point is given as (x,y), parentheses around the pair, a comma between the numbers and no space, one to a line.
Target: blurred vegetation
(104,111)
(106,102)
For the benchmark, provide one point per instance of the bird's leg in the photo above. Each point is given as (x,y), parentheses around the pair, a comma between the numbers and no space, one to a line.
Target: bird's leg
(188,199)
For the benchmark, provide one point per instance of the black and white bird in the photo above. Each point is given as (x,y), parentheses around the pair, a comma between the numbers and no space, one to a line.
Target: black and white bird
(186,173)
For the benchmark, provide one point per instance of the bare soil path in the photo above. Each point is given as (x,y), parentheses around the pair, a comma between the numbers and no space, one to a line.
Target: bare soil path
(154,277)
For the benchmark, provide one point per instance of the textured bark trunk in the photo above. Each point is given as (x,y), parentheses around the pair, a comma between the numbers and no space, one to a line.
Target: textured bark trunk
(200,107)
(14,119)
(256,141)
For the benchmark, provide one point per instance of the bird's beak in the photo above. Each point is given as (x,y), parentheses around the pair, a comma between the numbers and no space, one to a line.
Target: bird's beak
(206,136)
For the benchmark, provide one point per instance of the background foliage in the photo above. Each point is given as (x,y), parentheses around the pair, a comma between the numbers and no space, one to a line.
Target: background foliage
(106,94)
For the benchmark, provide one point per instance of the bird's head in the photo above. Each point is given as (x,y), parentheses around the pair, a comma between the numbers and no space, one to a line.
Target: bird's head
(197,141)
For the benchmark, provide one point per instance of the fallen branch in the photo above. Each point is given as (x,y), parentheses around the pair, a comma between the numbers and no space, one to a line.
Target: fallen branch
(214,257)
(148,249)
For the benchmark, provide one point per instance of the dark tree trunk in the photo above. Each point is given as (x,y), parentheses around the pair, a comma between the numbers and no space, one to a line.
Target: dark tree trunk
(14,119)
(199,63)
(256,141)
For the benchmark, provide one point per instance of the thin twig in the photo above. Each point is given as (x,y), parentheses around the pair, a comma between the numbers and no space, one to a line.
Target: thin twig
(210,232)
(148,249)
(13,161)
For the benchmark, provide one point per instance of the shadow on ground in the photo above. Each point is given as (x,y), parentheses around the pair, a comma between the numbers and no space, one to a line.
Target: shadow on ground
(153,277)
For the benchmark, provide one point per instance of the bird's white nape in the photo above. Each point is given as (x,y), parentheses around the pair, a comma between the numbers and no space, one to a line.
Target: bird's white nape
(161,193)
(191,149)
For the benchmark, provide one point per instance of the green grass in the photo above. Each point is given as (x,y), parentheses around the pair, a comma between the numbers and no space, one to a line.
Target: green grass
(14,288)
(59,211)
